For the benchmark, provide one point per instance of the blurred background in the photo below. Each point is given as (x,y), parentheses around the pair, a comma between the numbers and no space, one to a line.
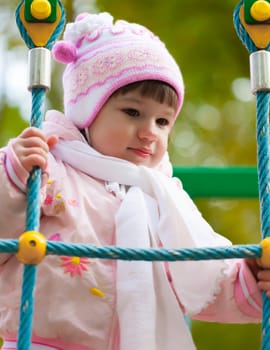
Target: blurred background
(216,126)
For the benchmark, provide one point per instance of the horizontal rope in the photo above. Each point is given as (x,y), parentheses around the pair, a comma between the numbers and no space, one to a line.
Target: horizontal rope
(149,254)
(155,254)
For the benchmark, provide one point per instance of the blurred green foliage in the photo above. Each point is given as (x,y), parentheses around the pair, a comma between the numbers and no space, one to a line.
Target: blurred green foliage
(216,126)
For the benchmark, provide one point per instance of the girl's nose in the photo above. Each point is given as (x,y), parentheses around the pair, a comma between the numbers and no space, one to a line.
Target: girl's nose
(148,131)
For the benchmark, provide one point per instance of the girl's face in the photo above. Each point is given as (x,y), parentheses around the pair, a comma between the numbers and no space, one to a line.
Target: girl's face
(134,128)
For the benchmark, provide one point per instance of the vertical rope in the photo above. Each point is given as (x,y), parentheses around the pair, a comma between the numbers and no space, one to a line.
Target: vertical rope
(34,181)
(263,160)
(33,195)
(32,224)
(262,125)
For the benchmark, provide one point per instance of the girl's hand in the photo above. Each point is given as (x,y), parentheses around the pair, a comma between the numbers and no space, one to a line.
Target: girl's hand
(32,147)
(262,275)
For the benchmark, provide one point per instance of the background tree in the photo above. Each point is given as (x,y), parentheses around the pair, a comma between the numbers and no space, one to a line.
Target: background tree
(216,126)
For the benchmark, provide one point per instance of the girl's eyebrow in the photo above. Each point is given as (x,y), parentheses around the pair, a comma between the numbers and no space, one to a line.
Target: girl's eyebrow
(169,110)
(132,99)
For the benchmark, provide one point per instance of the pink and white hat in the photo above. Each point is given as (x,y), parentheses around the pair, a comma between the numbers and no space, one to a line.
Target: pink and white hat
(103,57)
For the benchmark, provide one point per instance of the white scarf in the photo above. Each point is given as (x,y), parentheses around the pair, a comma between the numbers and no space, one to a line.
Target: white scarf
(153,210)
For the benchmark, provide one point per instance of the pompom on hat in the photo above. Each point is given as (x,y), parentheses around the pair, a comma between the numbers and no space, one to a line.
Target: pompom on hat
(103,56)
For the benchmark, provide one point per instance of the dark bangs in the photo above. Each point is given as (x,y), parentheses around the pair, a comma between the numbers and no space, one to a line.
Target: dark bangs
(158,90)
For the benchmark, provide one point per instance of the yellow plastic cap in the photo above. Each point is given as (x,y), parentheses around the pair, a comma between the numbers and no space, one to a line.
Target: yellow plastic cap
(260,10)
(264,260)
(32,248)
(41,9)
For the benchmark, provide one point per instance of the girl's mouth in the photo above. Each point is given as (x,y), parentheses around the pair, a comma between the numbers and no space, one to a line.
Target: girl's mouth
(142,152)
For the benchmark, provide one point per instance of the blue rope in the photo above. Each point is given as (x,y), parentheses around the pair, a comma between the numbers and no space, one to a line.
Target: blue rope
(264,183)
(32,224)
(263,156)
(34,180)
(33,188)
(242,33)
(263,159)
(27,307)
(154,254)
(158,254)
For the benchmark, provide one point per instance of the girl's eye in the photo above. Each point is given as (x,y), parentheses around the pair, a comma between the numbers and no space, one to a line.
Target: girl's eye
(132,112)
(162,122)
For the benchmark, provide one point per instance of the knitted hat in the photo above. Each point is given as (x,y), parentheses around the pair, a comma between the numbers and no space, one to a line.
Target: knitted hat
(103,57)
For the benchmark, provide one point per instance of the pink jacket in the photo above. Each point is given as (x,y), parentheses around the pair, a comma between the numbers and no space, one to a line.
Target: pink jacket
(75,302)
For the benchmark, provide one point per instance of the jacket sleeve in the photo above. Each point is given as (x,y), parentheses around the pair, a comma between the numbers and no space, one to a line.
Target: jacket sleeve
(239,299)
(13,205)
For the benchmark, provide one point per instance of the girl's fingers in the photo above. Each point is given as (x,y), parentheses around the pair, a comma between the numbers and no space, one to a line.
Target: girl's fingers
(264,275)
(32,148)
(33,142)
(52,141)
(34,156)
(34,159)
(33,132)
(39,140)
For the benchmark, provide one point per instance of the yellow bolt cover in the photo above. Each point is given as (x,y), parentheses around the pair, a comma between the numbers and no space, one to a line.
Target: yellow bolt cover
(41,9)
(260,10)
(32,248)
(264,260)
(40,32)
(259,33)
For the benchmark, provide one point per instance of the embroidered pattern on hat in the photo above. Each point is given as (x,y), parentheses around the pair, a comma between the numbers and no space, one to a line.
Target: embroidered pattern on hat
(107,63)
(112,64)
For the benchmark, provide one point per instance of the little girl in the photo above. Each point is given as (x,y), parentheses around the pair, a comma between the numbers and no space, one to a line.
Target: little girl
(107,180)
